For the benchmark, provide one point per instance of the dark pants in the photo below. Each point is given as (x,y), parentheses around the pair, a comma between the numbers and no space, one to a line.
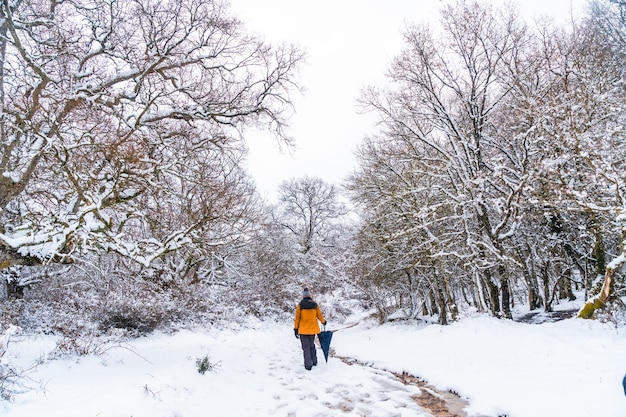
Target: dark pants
(308,348)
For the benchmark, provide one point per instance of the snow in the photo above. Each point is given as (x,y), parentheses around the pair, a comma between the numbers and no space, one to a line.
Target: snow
(569,368)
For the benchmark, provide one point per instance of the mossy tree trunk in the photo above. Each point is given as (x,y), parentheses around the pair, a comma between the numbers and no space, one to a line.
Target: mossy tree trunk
(597,302)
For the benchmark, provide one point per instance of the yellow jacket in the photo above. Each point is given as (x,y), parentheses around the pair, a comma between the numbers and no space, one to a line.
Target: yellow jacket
(308,312)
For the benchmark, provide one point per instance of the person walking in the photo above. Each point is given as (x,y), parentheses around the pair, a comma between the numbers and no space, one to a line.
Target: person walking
(306,326)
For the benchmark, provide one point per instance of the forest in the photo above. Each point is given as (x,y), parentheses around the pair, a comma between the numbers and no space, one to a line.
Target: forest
(497,176)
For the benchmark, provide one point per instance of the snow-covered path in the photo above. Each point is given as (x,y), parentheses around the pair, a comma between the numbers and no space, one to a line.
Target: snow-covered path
(257,373)
(572,368)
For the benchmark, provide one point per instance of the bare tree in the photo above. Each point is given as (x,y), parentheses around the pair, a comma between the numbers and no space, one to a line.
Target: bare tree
(120,115)
(409,227)
(498,159)
(448,87)
(601,63)
(310,213)
(571,104)
(307,208)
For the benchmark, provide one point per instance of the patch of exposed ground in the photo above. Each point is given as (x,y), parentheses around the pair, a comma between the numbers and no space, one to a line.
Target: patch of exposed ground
(538,317)
(437,403)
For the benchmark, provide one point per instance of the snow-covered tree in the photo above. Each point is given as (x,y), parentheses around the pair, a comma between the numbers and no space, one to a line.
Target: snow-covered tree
(121,125)
(310,213)
(307,208)
(408,229)
(301,240)
(497,165)
(570,106)
(446,89)
(603,77)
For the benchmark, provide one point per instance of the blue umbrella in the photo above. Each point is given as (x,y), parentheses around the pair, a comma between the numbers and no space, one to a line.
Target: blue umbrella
(325,338)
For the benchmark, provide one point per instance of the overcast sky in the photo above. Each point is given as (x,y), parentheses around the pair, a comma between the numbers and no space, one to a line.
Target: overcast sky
(349,44)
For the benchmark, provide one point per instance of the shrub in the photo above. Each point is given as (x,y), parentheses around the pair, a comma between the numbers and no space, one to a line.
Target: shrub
(204,365)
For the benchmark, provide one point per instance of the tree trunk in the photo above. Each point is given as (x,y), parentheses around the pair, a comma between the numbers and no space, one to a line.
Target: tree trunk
(433,304)
(597,302)
(449,299)
(534,296)
(443,311)
(599,255)
(506,298)
(505,290)
(566,288)
(532,284)
(414,300)
(478,294)
(494,298)
(545,279)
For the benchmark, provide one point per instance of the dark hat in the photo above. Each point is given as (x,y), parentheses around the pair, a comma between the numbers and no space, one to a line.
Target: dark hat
(306,293)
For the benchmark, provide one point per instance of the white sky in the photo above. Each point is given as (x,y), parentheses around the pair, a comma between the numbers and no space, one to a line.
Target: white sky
(349,44)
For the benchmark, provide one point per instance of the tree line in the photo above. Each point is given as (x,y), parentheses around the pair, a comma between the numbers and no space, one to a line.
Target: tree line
(497,174)
(499,167)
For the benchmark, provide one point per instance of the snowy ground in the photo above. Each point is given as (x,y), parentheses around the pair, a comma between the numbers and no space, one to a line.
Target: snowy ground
(570,368)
